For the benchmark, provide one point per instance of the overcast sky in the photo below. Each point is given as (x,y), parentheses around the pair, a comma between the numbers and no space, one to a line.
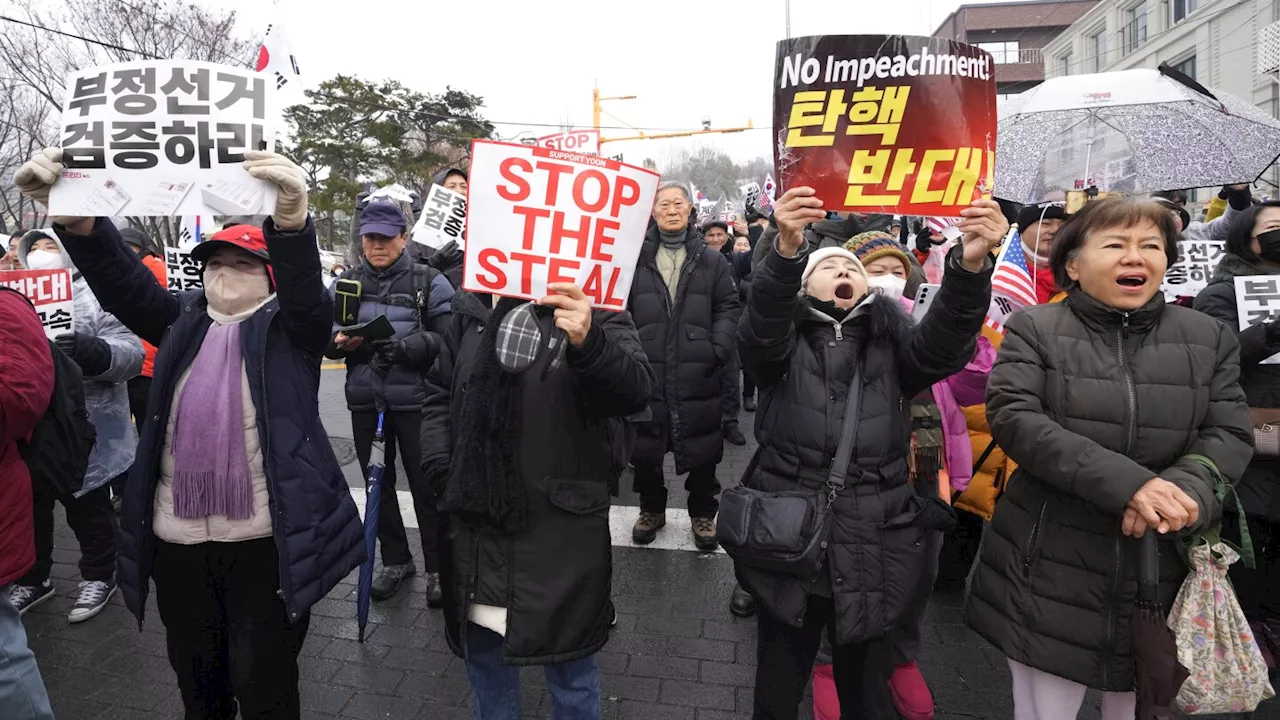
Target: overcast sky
(536,62)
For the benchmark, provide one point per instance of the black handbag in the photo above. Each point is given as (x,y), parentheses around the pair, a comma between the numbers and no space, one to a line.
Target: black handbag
(788,531)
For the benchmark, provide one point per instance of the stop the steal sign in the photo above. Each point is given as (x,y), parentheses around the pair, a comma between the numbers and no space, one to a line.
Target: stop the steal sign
(538,215)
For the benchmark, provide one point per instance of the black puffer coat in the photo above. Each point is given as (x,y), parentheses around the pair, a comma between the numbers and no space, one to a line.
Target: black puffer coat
(803,363)
(1260,486)
(554,579)
(1092,403)
(688,344)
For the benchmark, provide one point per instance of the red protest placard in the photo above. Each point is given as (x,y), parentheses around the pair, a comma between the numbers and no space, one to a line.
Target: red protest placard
(885,123)
(537,215)
(50,292)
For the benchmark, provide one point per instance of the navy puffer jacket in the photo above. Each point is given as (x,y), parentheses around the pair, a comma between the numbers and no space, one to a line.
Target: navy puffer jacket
(392,292)
(316,526)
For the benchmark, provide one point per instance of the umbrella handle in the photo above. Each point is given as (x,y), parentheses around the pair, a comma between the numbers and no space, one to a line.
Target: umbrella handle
(377,435)
(1149,566)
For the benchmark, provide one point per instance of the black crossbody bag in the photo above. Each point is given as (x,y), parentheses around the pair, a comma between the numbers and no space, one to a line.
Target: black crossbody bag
(788,531)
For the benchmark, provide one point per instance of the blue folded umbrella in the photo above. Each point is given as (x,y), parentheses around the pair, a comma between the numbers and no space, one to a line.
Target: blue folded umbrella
(373,497)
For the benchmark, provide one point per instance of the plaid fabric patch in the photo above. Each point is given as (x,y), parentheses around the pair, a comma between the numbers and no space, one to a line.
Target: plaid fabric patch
(519,339)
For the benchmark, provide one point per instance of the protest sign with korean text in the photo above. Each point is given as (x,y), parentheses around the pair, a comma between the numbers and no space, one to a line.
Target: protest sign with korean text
(182,272)
(1190,274)
(885,123)
(50,292)
(538,216)
(1258,301)
(443,219)
(163,138)
(579,141)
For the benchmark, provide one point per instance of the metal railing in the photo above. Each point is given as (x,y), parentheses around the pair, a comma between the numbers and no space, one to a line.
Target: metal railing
(1133,35)
(1019,57)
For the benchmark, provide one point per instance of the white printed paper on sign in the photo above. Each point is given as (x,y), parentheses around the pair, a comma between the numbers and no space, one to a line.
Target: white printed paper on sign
(1258,301)
(181,271)
(1196,263)
(538,216)
(443,219)
(50,292)
(163,138)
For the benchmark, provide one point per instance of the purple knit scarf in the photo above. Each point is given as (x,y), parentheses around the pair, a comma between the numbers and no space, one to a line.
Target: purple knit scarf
(211,466)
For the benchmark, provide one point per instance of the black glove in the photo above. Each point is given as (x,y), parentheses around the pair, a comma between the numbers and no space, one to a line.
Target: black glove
(446,257)
(387,352)
(1239,200)
(924,243)
(92,354)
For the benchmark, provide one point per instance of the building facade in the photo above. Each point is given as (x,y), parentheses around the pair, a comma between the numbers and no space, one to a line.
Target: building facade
(1214,42)
(1014,33)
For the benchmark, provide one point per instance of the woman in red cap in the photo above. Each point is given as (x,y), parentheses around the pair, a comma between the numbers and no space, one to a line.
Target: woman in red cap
(236,506)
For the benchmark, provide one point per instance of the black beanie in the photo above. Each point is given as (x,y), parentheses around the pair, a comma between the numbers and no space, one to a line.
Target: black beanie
(1032,213)
(1182,212)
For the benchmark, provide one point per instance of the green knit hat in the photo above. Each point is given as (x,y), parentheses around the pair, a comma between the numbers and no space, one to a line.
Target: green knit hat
(875,244)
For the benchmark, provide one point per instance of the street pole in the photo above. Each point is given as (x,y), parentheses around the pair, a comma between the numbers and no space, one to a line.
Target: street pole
(788,19)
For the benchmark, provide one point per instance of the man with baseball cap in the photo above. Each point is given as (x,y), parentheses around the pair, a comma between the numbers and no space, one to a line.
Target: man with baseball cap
(386,375)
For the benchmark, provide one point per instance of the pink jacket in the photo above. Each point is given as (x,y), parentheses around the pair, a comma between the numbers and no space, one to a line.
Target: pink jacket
(955,433)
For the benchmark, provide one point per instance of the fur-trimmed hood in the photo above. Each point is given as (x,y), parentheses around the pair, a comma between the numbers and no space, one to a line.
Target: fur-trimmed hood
(886,316)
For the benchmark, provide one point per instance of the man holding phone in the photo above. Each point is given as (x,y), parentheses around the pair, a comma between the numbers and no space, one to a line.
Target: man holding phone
(385,374)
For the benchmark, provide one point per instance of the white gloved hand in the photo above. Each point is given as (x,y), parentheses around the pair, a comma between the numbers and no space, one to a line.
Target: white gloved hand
(36,177)
(291,201)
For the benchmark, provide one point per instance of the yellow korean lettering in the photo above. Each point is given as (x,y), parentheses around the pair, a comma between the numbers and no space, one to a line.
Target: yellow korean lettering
(807,111)
(902,167)
(868,167)
(920,192)
(964,177)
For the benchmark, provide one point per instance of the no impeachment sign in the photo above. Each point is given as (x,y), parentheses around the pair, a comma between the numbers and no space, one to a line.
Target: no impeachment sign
(538,216)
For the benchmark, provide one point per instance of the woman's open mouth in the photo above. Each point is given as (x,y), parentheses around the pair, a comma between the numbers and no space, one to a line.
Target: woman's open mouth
(844,291)
(1132,282)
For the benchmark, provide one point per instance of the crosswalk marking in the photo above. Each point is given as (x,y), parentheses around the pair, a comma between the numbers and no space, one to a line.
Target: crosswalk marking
(677,535)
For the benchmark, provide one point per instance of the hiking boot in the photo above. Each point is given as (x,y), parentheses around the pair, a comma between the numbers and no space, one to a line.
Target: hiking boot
(435,596)
(92,597)
(647,527)
(749,403)
(704,534)
(390,579)
(733,434)
(911,695)
(742,604)
(25,597)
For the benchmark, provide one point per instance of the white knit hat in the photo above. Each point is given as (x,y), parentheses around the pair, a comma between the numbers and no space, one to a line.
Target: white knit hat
(817,256)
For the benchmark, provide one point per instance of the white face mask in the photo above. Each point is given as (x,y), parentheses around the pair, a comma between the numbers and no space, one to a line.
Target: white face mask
(45,260)
(887,285)
(231,292)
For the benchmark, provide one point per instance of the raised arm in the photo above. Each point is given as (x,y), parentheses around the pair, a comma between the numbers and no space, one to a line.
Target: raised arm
(306,308)
(945,339)
(767,330)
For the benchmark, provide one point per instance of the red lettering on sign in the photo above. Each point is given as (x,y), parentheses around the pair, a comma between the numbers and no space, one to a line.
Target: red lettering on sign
(611,299)
(602,198)
(531,215)
(527,261)
(556,265)
(591,288)
(559,232)
(554,171)
(507,170)
(600,243)
(620,196)
(491,261)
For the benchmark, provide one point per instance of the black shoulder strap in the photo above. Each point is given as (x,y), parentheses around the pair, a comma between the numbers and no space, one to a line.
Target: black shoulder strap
(982,459)
(848,431)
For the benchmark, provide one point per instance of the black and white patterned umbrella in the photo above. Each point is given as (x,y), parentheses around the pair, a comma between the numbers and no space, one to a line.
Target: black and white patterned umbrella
(1132,131)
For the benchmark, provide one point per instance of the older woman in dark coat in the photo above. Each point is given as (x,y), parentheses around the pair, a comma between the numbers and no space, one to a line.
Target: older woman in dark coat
(1100,400)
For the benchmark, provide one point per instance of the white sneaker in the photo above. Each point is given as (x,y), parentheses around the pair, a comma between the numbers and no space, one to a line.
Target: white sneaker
(93,596)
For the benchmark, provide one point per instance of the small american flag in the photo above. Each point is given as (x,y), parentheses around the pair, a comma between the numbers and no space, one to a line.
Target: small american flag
(938,224)
(1011,278)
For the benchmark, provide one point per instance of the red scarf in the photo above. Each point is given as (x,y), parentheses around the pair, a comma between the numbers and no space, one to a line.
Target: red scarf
(1046,288)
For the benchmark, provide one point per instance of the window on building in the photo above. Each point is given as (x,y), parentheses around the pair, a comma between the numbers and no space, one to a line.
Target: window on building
(1135,30)
(1099,42)
(1003,53)
(1183,8)
(1067,62)
(1186,67)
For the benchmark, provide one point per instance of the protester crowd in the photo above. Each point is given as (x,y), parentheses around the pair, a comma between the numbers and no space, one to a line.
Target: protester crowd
(1092,417)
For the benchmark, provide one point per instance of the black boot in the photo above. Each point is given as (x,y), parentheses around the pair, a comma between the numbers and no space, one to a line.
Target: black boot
(742,604)
(435,597)
(733,434)
(749,403)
